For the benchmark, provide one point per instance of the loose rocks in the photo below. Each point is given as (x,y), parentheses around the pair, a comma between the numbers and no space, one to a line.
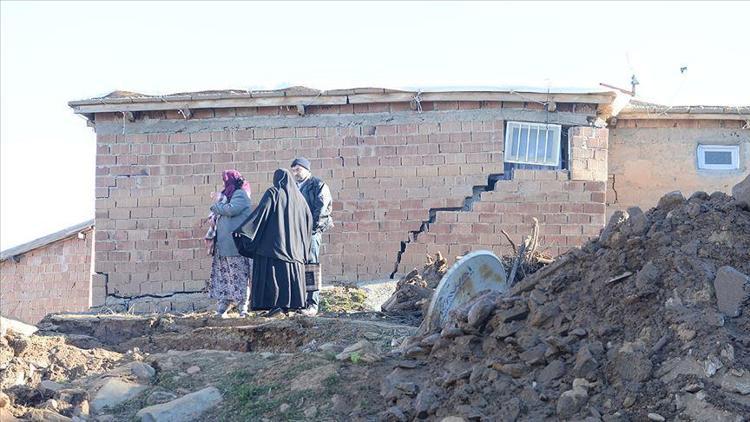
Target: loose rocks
(187,408)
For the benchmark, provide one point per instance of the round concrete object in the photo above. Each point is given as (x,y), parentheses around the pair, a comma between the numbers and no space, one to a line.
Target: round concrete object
(474,273)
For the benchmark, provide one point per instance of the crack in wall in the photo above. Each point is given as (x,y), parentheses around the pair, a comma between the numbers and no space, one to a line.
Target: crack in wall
(613,188)
(153,296)
(469,201)
(127,298)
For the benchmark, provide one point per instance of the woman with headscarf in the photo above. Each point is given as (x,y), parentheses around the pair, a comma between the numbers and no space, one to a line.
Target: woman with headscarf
(277,236)
(230,271)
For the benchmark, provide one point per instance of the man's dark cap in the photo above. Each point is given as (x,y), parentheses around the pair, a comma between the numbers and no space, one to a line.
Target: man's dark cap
(301,161)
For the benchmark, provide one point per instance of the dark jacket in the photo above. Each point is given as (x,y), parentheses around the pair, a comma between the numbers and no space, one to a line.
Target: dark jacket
(318,198)
(280,226)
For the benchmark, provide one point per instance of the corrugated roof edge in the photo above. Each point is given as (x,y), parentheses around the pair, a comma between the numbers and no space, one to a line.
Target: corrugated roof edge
(46,240)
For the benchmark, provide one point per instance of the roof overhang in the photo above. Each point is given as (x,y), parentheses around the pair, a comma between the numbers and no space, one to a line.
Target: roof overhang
(133,102)
(639,110)
(46,240)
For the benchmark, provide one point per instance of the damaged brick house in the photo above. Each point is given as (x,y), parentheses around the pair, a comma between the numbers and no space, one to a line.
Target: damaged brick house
(410,172)
(49,274)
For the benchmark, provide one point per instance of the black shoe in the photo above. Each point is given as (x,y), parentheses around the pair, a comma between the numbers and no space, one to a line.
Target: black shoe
(274,312)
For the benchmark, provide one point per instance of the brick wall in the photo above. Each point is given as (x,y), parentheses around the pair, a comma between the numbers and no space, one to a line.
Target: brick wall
(588,153)
(386,165)
(648,158)
(52,278)
(569,212)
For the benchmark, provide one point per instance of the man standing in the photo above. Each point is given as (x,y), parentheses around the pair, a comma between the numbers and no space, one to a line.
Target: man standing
(318,197)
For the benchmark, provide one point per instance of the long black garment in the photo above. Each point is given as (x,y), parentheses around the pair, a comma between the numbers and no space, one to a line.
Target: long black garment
(277,236)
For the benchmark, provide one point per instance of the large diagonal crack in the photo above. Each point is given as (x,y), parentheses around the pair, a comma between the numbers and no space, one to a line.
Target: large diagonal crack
(468,206)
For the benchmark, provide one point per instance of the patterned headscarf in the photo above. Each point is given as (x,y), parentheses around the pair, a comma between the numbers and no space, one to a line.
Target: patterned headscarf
(231,179)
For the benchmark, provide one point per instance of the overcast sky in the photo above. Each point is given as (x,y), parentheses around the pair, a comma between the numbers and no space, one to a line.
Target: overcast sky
(52,53)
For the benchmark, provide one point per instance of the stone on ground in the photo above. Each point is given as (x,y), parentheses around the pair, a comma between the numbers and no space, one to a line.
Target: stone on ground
(46,416)
(49,387)
(732,289)
(187,408)
(741,191)
(362,350)
(143,371)
(16,326)
(114,392)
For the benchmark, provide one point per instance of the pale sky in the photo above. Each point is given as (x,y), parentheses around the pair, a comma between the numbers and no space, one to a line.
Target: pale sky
(52,53)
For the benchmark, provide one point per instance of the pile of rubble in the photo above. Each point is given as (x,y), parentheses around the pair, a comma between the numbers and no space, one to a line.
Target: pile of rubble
(650,321)
(415,289)
(33,370)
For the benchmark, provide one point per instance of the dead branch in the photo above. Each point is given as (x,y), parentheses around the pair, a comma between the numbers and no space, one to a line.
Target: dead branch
(512,243)
(533,241)
(516,263)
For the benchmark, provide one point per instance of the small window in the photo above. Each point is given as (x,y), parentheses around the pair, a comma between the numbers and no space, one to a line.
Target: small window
(718,157)
(532,143)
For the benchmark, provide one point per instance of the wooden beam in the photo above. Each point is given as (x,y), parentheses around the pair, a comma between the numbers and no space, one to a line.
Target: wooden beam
(603,98)
(219,103)
(682,116)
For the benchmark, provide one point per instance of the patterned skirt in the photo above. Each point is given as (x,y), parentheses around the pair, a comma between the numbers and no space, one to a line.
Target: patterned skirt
(230,278)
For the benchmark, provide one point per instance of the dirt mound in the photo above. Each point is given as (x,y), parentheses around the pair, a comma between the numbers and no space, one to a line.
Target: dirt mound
(414,290)
(258,364)
(27,361)
(626,328)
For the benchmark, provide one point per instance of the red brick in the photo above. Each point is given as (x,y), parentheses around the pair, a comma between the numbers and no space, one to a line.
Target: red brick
(593,208)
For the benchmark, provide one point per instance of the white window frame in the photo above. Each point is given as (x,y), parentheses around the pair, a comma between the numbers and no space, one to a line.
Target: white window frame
(733,149)
(509,142)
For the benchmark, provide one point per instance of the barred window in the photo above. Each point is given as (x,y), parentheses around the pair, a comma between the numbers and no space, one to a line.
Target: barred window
(532,143)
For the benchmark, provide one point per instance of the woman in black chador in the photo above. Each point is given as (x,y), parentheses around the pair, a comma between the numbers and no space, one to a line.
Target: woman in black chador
(277,236)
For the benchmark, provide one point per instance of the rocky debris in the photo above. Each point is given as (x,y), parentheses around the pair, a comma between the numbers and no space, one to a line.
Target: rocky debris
(35,372)
(571,401)
(45,415)
(186,408)
(159,396)
(64,380)
(29,360)
(732,290)
(632,362)
(361,351)
(741,191)
(142,371)
(670,201)
(612,331)
(49,388)
(16,326)
(415,289)
(113,392)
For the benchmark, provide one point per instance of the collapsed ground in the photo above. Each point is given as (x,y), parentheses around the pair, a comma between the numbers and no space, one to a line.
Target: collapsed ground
(626,328)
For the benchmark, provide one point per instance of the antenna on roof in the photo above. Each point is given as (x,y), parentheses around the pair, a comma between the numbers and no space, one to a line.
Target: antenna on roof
(633,83)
